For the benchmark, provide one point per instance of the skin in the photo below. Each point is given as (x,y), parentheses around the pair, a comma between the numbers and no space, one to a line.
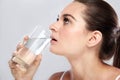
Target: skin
(79,45)
(19,74)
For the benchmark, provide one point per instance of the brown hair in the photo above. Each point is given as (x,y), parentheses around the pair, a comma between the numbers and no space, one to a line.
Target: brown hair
(100,16)
(116,62)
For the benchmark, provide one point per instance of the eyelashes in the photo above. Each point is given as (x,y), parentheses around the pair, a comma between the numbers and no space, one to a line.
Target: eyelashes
(57,19)
(65,20)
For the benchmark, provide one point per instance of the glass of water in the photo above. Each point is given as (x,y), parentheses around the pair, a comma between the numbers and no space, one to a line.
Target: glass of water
(37,41)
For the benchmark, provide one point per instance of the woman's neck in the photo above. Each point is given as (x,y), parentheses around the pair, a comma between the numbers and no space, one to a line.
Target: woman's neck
(87,67)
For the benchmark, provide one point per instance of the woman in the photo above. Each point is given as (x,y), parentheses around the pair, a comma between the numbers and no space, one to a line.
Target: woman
(86,33)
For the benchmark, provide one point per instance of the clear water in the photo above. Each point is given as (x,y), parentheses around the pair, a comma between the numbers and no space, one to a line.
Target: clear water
(36,45)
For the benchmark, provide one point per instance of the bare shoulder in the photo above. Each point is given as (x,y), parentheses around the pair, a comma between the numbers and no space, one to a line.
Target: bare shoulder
(56,76)
(65,75)
(117,73)
(117,70)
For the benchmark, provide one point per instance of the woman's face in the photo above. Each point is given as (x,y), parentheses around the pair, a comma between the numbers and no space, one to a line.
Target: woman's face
(69,34)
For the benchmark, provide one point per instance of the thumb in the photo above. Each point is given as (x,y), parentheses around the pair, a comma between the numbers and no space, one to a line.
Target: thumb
(37,60)
(34,66)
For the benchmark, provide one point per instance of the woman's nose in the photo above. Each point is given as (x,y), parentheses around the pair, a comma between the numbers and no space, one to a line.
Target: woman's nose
(53,27)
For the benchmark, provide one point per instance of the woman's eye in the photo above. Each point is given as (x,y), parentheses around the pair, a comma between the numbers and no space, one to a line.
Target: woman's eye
(66,20)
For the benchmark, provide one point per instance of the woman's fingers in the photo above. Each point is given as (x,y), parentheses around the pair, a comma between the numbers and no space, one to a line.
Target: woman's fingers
(37,59)
(34,66)
(12,64)
(26,38)
(14,54)
(21,44)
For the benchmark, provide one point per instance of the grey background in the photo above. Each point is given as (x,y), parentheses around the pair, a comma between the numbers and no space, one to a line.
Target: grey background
(19,17)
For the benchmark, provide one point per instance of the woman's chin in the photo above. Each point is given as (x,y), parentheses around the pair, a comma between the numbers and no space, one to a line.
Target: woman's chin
(55,52)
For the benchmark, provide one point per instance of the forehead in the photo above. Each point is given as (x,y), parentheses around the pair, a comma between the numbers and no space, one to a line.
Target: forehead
(75,8)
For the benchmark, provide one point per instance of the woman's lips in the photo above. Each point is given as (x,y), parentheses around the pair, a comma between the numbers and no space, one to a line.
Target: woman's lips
(53,40)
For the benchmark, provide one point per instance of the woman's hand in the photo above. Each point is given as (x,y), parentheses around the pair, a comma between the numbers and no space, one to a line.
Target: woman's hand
(17,73)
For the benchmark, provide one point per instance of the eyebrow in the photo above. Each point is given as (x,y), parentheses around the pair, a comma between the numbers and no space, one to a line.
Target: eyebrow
(65,15)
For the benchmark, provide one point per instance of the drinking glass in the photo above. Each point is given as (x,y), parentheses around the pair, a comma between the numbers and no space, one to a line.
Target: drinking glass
(37,41)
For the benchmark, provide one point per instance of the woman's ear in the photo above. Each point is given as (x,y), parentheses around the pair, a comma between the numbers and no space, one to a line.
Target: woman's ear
(95,38)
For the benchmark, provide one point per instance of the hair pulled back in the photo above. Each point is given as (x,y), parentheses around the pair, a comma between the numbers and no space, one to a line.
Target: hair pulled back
(100,16)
